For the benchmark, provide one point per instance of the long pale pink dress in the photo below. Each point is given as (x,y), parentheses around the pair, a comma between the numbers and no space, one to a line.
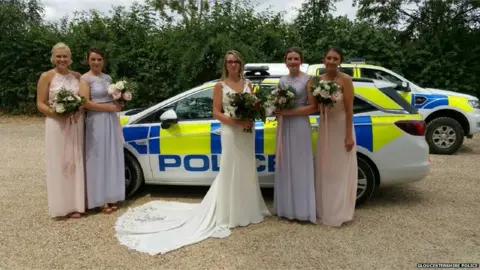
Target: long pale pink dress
(64,146)
(336,169)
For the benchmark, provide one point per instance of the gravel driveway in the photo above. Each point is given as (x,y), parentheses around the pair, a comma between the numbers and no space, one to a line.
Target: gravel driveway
(436,220)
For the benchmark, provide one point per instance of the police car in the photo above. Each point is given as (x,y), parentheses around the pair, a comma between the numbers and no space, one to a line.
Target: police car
(450,116)
(177,142)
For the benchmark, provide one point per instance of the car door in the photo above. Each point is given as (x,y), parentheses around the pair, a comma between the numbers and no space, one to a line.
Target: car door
(187,149)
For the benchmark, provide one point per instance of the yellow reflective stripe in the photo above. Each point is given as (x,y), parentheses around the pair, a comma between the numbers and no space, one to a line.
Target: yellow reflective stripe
(124,119)
(256,86)
(186,138)
(313,121)
(356,72)
(208,85)
(374,95)
(384,130)
(460,103)
(313,70)
(269,133)
(406,95)
(270,81)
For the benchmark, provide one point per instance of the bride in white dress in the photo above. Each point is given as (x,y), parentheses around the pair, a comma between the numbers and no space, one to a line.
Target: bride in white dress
(234,199)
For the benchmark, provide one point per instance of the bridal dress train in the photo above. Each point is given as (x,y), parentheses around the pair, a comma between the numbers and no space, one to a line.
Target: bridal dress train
(234,199)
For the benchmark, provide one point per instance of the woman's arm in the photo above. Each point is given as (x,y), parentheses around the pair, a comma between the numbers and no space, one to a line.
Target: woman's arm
(93,106)
(42,95)
(348,96)
(217,106)
(310,108)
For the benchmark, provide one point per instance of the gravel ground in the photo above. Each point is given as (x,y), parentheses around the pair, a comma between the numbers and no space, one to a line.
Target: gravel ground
(432,221)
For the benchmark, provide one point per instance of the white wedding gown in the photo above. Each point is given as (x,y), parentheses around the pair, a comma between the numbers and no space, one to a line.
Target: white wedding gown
(234,199)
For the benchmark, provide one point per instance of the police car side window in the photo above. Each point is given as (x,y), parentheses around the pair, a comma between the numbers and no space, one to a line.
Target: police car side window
(196,107)
(360,106)
(348,71)
(379,75)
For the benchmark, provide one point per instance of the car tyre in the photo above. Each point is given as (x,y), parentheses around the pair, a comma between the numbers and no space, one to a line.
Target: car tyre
(366,186)
(133,175)
(448,124)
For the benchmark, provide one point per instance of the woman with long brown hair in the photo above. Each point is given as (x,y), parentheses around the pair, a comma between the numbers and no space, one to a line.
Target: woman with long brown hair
(294,195)
(104,159)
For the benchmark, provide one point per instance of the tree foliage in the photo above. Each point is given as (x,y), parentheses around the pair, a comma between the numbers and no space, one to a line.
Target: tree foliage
(169,46)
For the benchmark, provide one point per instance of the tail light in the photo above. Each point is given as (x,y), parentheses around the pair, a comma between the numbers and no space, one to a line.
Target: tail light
(412,127)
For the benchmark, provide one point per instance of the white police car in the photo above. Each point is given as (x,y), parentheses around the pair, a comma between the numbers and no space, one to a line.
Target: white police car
(177,142)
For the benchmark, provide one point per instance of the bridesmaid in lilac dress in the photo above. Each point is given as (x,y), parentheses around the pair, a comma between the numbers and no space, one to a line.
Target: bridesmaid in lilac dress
(336,155)
(294,196)
(103,138)
(63,140)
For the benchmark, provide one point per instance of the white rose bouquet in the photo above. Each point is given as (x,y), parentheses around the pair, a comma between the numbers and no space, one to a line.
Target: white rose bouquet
(121,90)
(326,92)
(283,97)
(66,102)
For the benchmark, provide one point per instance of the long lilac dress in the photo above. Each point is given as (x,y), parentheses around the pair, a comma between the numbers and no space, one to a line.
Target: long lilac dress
(105,169)
(294,191)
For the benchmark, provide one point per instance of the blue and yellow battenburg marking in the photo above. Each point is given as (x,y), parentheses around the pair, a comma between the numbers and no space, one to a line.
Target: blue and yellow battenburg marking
(435,100)
(190,138)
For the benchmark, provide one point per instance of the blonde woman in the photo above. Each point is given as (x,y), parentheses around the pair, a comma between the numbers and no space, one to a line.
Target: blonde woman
(63,139)
(234,199)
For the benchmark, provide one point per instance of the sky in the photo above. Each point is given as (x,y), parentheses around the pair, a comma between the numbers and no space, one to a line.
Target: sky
(56,9)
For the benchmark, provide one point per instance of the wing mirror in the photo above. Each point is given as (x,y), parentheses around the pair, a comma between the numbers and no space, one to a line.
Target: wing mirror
(404,86)
(168,118)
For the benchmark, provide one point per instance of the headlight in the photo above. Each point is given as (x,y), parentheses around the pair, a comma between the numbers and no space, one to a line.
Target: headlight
(474,103)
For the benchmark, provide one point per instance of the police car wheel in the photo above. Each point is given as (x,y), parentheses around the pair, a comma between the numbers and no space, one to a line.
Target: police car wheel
(366,186)
(133,175)
(444,136)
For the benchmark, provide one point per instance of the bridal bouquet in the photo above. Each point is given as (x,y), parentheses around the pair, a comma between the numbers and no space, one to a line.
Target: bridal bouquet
(121,90)
(66,102)
(245,106)
(326,92)
(283,97)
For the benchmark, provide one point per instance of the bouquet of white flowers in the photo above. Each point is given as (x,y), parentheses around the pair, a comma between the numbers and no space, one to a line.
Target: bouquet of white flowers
(283,97)
(326,92)
(122,90)
(66,102)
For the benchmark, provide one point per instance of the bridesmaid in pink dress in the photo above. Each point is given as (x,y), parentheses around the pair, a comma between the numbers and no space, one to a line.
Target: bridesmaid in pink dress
(64,140)
(336,156)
